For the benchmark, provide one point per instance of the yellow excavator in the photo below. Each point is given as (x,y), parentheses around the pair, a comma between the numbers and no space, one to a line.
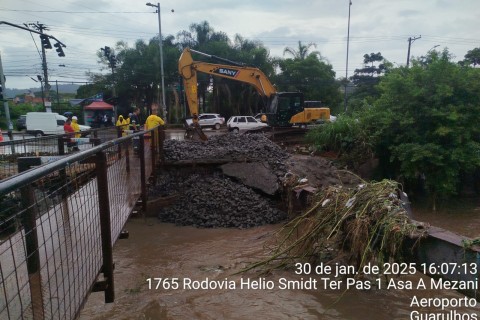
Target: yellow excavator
(283,109)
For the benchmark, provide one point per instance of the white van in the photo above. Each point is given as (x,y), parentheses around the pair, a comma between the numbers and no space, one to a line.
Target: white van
(42,123)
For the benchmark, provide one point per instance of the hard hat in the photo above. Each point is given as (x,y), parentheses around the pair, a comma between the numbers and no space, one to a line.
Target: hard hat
(74,118)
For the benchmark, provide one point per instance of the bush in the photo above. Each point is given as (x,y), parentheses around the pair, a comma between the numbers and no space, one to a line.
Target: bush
(345,136)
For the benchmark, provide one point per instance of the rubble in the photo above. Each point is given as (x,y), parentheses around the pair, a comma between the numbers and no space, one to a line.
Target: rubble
(231,147)
(213,201)
(246,168)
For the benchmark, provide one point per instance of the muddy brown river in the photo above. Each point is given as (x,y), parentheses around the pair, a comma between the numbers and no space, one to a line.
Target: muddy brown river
(210,257)
(197,262)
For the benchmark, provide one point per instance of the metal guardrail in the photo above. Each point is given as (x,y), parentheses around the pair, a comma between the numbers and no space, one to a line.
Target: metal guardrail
(11,150)
(59,221)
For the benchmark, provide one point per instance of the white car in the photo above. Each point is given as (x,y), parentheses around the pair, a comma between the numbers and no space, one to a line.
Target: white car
(242,123)
(208,120)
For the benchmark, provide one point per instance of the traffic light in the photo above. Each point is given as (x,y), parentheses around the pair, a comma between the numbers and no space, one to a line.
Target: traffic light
(107,51)
(45,41)
(59,49)
(1,93)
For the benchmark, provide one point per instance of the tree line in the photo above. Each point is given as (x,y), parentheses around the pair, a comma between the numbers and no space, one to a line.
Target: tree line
(421,123)
(137,76)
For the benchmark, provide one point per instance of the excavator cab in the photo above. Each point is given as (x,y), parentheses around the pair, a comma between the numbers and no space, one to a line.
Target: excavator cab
(282,106)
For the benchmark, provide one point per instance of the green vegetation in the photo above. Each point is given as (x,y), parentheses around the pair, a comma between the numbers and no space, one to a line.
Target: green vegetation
(423,126)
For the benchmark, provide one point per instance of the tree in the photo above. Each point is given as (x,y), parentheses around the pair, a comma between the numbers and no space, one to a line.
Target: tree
(367,78)
(302,52)
(472,57)
(313,77)
(425,124)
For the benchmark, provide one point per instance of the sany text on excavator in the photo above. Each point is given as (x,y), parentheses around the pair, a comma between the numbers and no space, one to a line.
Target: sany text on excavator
(283,109)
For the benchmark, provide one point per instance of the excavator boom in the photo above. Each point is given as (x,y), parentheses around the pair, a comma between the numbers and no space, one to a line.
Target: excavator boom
(188,69)
(283,109)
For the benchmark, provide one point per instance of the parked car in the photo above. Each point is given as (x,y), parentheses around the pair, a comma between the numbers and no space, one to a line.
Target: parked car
(42,123)
(238,123)
(22,122)
(208,120)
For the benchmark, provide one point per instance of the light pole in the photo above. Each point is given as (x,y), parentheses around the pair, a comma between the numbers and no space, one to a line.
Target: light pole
(161,56)
(437,45)
(346,66)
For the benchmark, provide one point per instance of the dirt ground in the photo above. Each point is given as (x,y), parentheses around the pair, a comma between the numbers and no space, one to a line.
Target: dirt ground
(321,172)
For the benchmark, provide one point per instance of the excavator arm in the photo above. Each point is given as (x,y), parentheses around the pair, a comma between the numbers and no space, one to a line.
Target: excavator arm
(188,69)
(282,108)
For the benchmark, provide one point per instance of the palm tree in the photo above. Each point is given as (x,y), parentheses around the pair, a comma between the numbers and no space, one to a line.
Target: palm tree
(302,52)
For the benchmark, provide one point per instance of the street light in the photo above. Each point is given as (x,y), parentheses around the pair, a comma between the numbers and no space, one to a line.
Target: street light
(346,66)
(437,45)
(161,56)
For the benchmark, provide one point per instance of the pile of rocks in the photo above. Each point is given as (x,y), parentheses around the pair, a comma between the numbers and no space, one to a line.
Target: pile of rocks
(214,201)
(231,147)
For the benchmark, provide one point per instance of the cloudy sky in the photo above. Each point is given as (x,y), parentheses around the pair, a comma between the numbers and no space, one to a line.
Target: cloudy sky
(375,26)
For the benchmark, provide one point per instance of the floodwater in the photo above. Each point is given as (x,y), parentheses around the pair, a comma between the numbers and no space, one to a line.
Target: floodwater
(191,257)
(460,216)
(158,250)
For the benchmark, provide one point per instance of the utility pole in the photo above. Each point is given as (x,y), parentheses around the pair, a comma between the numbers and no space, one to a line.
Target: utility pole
(45,45)
(112,63)
(161,57)
(5,102)
(410,40)
(346,65)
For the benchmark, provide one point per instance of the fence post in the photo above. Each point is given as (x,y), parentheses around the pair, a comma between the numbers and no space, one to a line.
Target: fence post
(105,225)
(160,143)
(31,246)
(127,156)
(143,178)
(119,135)
(153,147)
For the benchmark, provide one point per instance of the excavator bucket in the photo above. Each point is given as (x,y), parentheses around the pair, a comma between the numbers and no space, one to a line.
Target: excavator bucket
(194,133)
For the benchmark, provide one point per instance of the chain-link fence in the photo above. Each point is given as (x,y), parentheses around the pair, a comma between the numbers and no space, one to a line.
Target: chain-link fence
(59,221)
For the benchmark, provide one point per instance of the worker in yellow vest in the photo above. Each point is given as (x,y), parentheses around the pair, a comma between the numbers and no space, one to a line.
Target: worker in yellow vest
(152,121)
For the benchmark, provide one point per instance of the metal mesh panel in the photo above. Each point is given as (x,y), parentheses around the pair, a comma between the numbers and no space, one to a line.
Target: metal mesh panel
(10,151)
(54,237)
(14,283)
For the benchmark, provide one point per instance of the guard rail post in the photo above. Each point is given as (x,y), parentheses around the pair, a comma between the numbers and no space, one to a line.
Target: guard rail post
(105,225)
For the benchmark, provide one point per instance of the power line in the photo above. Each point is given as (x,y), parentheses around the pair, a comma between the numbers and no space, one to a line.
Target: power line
(63,11)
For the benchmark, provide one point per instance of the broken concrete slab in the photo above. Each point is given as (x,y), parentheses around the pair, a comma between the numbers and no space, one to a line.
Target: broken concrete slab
(256,175)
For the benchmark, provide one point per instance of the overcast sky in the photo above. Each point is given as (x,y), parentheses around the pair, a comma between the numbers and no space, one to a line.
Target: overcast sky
(375,26)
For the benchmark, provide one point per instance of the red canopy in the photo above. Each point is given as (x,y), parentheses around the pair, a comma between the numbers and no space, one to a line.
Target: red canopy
(99,105)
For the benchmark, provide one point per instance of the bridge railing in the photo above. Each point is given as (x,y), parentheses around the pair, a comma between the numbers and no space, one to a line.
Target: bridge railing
(51,145)
(59,220)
